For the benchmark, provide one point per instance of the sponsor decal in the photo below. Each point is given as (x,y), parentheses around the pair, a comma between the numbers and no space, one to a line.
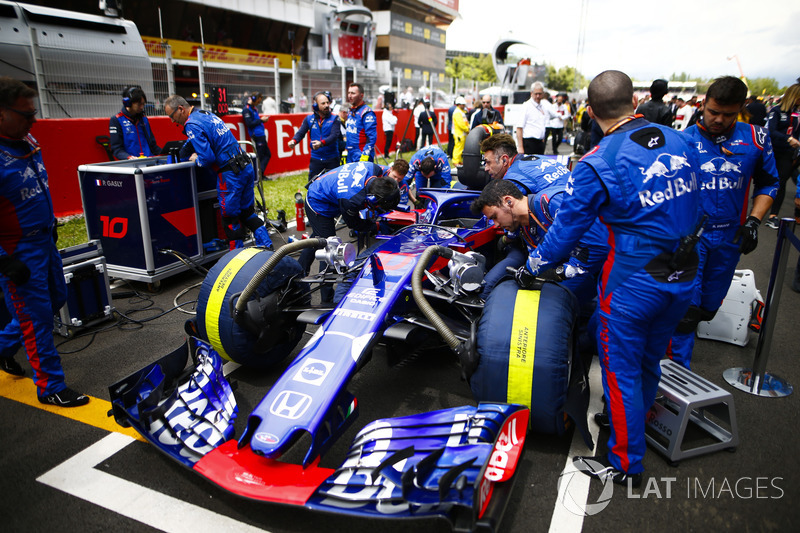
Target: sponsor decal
(266,438)
(313,371)
(503,461)
(508,447)
(350,313)
(290,404)
(368,296)
(720,165)
(550,177)
(666,165)
(248,478)
(649,198)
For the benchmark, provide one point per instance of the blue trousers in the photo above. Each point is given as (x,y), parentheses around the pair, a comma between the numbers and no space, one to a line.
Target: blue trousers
(32,306)
(719,256)
(635,323)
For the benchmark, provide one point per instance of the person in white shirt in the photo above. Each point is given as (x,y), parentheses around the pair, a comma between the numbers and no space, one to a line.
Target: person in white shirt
(407,98)
(537,112)
(389,120)
(418,110)
(269,106)
(682,115)
(555,125)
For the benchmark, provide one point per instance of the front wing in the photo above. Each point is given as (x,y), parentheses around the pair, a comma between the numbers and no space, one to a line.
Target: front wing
(456,463)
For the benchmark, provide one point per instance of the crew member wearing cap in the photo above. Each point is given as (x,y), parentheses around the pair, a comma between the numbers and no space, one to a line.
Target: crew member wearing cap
(255,127)
(460,130)
(346,191)
(216,148)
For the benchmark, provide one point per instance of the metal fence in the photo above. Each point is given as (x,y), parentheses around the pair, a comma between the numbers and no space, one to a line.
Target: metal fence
(163,77)
(71,85)
(82,84)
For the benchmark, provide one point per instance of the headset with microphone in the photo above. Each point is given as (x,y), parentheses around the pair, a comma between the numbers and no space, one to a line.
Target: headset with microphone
(131,94)
(126,96)
(314,104)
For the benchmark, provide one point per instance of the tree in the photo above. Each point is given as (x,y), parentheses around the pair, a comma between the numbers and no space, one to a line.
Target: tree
(764,86)
(564,79)
(471,68)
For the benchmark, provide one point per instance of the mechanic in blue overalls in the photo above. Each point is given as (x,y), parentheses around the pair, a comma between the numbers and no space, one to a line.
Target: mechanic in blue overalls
(640,180)
(428,168)
(529,218)
(324,129)
(531,174)
(129,130)
(361,126)
(255,127)
(730,155)
(346,191)
(31,274)
(215,147)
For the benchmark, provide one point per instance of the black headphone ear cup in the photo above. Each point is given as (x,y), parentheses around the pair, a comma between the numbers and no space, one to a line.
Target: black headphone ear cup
(126,96)
(314,104)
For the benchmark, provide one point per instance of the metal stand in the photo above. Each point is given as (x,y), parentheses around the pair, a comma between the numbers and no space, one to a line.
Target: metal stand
(757,381)
(690,404)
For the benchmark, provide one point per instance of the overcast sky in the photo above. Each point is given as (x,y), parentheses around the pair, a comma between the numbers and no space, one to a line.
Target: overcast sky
(641,39)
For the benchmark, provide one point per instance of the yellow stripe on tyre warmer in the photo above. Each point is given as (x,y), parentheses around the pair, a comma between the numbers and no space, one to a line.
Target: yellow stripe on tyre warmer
(523,347)
(216,298)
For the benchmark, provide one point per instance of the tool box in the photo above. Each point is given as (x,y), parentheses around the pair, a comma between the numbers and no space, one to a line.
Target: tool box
(88,292)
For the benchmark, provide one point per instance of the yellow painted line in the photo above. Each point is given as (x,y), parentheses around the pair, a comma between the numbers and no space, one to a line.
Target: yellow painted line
(94,413)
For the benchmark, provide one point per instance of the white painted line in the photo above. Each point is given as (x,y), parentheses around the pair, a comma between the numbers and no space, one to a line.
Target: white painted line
(78,477)
(229,367)
(574,491)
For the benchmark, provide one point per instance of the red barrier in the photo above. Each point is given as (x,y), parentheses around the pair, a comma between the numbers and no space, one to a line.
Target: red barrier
(69,143)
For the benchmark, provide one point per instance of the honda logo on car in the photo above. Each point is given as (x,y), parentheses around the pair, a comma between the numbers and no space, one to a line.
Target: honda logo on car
(313,371)
(290,404)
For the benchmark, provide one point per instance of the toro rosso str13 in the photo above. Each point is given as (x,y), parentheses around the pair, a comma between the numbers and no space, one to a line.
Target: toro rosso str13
(415,289)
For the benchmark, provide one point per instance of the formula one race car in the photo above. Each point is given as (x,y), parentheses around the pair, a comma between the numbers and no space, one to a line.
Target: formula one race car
(414,290)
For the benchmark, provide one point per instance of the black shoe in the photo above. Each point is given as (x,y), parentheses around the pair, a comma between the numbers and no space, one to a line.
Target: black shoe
(600,468)
(65,398)
(772,222)
(10,366)
(601,419)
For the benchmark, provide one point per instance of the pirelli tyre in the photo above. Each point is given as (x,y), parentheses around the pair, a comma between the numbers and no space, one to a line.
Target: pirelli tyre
(269,334)
(526,346)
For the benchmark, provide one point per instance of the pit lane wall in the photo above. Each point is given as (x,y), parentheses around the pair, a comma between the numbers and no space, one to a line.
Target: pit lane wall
(68,143)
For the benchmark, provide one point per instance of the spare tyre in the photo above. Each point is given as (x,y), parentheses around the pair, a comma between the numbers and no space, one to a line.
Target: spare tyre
(269,334)
(526,344)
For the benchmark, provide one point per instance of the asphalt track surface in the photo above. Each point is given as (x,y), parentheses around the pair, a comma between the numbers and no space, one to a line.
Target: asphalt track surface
(75,470)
